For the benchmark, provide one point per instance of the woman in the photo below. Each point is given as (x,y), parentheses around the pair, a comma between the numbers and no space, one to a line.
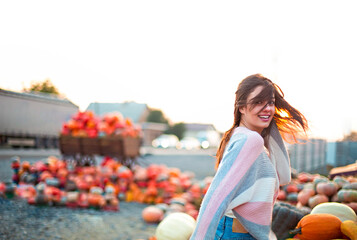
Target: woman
(252,163)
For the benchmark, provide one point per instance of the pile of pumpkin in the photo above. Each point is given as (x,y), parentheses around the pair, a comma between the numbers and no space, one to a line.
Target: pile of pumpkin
(328,220)
(317,207)
(311,207)
(87,124)
(55,182)
(328,207)
(168,190)
(308,190)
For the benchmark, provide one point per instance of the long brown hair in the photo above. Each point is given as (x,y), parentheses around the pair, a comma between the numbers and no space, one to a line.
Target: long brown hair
(291,123)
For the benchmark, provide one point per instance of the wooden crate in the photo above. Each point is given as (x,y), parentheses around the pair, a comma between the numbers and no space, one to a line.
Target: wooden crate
(90,146)
(131,147)
(70,145)
(111,146)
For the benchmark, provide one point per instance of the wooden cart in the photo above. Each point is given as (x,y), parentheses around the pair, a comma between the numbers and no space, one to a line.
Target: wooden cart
(82,150)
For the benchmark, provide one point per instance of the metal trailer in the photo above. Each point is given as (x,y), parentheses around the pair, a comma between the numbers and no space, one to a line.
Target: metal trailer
(32,120)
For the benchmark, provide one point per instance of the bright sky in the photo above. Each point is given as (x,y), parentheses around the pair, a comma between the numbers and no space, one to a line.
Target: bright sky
(187,57)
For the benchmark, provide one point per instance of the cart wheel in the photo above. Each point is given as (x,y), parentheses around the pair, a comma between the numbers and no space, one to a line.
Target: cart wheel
(92,161)
(71,161)
(130,162)
(88,160)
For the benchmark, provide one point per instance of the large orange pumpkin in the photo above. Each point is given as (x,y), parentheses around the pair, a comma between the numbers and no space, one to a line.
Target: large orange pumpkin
(322,226)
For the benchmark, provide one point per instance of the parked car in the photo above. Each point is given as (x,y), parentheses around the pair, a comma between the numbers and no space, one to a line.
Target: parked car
(165,141)
(189,143)
(209,139)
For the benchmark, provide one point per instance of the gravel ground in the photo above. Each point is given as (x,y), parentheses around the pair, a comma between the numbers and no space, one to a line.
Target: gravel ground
(18,220)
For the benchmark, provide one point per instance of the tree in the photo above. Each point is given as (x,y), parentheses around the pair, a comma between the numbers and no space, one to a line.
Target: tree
(351,137)
(44,87)
(156,116)
(177,129)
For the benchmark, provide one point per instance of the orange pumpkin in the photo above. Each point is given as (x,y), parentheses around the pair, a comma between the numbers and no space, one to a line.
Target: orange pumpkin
(83,200)
(292,188)
(159,199)
(151,191)
(281,195)
(349,228)
(44,175)
(140,197)
(152,214)
(322,226)
(149,199)
(174,172)
(153,171)
(140,174)
(304,196)
(62,173)
(129,196)
(305,177)
(94,199)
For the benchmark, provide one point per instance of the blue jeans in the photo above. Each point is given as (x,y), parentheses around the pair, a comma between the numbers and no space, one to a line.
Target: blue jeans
(224,231)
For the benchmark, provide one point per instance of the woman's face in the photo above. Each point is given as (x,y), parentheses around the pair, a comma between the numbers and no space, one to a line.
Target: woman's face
(259,116)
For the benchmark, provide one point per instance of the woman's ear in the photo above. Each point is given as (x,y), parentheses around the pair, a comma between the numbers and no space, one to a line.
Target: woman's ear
(242,110)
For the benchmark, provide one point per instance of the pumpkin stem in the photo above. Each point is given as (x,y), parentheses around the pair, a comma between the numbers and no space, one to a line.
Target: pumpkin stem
(296,231)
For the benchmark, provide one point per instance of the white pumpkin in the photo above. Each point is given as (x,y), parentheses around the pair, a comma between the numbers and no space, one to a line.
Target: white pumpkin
(340,210)
(176,226)
(72,196)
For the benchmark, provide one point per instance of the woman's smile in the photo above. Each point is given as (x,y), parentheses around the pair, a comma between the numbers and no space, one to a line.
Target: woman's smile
(258,116)
(264,118)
